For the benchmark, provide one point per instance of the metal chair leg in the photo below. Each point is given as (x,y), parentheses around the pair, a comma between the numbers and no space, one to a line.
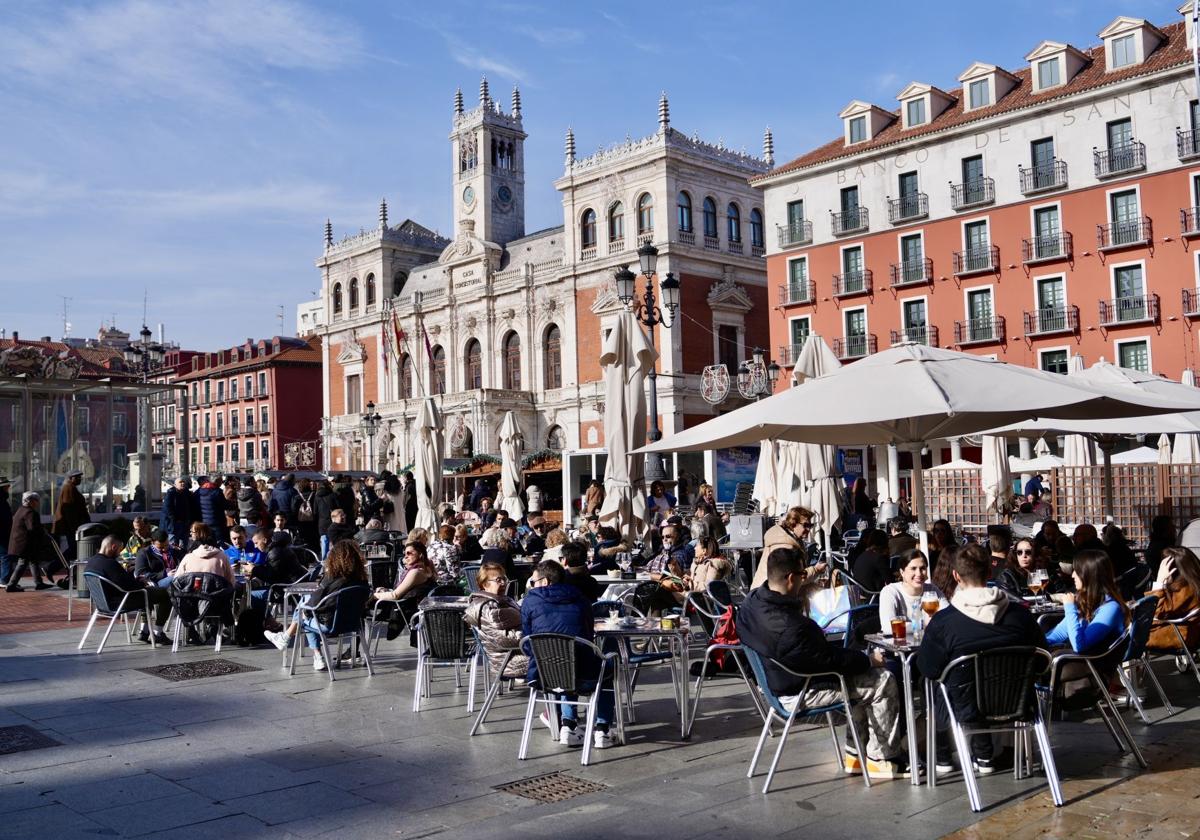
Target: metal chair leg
(417,683)
(787,727)
(968,765)
(523,750)
(1118,721)
(1162,695)
(367,656)
(1125,673)
(1043,739)
(838,755)
(88,630)
(107,631)
(858,745)
(762,739)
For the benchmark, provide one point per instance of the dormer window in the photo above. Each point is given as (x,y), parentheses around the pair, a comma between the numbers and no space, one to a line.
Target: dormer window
(922,104)
(978,95)
(858,129)
(914,113)
(1049,74)
(1054,64)
(1128,41)
(984,85)
(1123,51)
(862,121)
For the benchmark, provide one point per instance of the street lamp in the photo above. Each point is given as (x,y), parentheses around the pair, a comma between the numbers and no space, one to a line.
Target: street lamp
(756,379)
(144,357)
(648,313)
(369,422)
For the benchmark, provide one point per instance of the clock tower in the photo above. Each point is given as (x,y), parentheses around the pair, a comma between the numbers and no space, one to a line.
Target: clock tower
(488,148)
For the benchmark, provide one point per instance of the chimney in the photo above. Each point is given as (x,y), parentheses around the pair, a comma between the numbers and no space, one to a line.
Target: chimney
(161,334)
(16,337)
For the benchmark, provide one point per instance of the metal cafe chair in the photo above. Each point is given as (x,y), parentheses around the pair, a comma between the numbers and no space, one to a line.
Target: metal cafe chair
(347,623)
(113,602)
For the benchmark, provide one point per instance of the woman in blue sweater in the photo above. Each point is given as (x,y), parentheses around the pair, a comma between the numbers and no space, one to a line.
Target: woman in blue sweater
(1096,614)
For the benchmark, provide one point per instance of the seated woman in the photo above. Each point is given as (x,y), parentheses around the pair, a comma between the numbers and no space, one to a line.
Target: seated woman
(445,556)
(708,564)
(344,567)
(943,572)
(1177,587)
(1095,615)
(1013,576)
(418,579)
(497,617)
(903,598)
(608,546)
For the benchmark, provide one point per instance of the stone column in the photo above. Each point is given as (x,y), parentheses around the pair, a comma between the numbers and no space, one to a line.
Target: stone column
(955,449)
(1026,452)
(893,461)
(883,477)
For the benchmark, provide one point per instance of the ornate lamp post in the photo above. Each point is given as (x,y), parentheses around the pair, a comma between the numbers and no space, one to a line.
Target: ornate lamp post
(144,357)
(369,422)
(756,379)
(648,314)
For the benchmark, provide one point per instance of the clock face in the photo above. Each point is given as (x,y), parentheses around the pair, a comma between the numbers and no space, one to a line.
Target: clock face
(469,195)
(504,194)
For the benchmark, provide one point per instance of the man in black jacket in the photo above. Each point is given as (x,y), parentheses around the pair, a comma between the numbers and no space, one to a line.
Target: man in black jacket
(873,567)
(773,622)
(339,527)
(105,564)
(979,618)
(575,564)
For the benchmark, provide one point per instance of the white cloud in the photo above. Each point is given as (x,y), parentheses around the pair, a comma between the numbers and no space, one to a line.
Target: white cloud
(551,36)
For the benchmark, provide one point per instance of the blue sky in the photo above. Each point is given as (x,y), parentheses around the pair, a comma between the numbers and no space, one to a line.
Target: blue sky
(192,150)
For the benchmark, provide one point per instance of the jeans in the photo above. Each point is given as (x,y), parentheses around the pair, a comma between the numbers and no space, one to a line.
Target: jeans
(324,546)
(311,628)
(5,566)
(605,707)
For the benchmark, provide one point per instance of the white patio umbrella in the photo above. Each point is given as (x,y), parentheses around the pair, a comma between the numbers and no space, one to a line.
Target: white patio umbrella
(427,467)
(510,467)
(997,482)
(1137,455)
(766,485)
(1078,451)
(626,358)
(821,486)
(1186,447)
(1164,449)
(911,394)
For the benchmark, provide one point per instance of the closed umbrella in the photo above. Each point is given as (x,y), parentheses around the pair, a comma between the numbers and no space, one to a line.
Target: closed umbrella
(1164,449)
(817,475)
(997,482)
(627,357)
(1186,447)
(427,468)
(1078,451)
(510,467)
(766,486)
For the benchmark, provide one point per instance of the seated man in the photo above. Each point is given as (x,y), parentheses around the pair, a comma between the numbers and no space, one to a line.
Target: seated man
(156,561)
(372,532)
(899,540)
(553,606)
(773,622)
(139,539)
(873,566)
(979,618)
(574,559)
(339,529)
(240,550)
(106,565)
(282,527)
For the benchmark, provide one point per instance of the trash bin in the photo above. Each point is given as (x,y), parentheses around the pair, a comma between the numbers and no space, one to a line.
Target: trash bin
(87,539)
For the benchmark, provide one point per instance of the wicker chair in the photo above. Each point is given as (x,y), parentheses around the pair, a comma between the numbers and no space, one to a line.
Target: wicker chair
(442,640)
(199,597)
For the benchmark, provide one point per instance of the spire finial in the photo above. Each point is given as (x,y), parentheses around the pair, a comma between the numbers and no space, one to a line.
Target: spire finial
(458,103)
(485,98)
(516,102)
(383,214)
(664,113)
(328,233)
(768,147)
(570,146)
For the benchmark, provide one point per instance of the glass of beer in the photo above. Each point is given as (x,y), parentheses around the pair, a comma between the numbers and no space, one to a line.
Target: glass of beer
(899,629)
(1037,582)
(930,604)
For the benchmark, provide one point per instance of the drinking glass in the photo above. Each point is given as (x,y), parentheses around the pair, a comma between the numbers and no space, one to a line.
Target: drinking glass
(930,604)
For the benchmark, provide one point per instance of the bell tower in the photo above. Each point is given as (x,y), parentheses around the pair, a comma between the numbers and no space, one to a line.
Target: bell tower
(488,158)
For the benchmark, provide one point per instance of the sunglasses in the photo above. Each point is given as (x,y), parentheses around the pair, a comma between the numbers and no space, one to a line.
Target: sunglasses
(1024,552)
(497,580)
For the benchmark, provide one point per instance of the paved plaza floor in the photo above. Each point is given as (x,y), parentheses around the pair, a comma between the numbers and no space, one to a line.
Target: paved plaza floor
(258,754)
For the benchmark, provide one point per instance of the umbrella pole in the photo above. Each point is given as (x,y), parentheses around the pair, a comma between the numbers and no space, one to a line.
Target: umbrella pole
(1106,448)
(918,492)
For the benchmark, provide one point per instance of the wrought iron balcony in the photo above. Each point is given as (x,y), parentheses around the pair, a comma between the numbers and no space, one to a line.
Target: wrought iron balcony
(988,330)
(974,193)
(926,334)
(976,260)
(1188,144)
(1052,319)
(789,353)
(1127,157)
(912,273)
(796,291)
(799,232)
(1127,234)
(1191,302)
(1054,246)
(908,207)
(852,283)
(1043,177)
(1136,309)
(854,346)
(849,221)
(1189,221)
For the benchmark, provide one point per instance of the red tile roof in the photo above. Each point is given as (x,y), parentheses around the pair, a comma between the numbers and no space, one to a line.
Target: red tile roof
(1173,52)
(308,352)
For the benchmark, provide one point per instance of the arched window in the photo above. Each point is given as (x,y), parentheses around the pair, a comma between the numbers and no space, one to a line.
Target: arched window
(437,378)
(353,293)
(337,298)
(398,281)
(587,229)
(370,290)
(684,205)
(474,366)
(556,439)
(552,354)
(616,222)
(710,217)
(645,214)
(734,217)
(756,228)
(406,377)
(512,362)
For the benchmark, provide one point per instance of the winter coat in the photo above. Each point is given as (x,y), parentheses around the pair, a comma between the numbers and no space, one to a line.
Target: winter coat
(282,566)
(559,608)
(150,565)
(369,504)
(394,518)
(410,503)
(179,511)
(250,503)
(1175,601)
(593,499)
(283,496)
(207,559)
(498,621)
(777,536)
(6,521)
(211,500)
(325,588)
(604,556)
(776,626)
(28,538)
(337,533)
(72,512)
(344,494)
(591,588)
(873,571)
(324,501)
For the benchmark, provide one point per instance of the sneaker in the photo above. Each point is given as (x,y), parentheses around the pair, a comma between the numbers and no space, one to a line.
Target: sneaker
(162,639)
(603,740)
(193,638)
(988,766)
(569,737)
(944,763)
(145,636)
(279,638)
(895,768)
(549,723)
(851,764)
(318,662)
(14,587)
(64,584)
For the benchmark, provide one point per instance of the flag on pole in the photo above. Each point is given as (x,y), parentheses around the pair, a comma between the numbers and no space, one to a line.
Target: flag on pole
(428,346)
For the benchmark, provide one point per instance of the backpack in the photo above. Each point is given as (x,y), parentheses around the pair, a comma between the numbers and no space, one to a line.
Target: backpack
(305,514)
(726,634)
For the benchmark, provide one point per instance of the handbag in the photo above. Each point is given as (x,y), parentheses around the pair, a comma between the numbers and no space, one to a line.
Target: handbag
(830,607)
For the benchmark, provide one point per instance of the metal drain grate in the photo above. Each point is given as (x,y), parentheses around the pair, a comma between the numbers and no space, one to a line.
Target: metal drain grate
(180,671)
(15,739)
(551,787)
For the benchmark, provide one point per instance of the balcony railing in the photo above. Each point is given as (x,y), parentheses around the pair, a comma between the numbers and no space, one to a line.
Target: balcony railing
(849,221)
(912,272)
(588,252)
(975,260)
(1127,157)
(1136,309)
(1052,246)
(1191,302)
(1188,144)
(757,250)
(1052,319)
(686,237)
(711,243)
(789,353)
(616,246)
(852,283)
(854,346)
(974,193)
(1189,221)
(1043,176)
(908,207)
(798,232)
(1127,234)
(645,238)
(735,246)
(917,335)
(796,291)
(989,330)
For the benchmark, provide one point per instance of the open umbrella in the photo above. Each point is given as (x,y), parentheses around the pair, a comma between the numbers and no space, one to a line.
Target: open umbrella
(1186,447)
(427,470)
(626,358)
(817,474)
(916,394)
(510,467)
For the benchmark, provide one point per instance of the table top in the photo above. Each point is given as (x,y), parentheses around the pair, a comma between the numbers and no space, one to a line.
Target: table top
(639,627)
(611,578)
(889,643)
(457,602)
(302,586)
